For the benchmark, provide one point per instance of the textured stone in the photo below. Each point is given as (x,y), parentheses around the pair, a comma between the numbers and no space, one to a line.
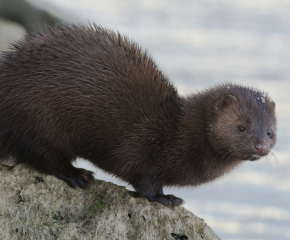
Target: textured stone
(39,206)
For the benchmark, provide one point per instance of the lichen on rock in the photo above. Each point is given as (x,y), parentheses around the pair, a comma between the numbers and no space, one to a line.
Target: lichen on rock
(39,206)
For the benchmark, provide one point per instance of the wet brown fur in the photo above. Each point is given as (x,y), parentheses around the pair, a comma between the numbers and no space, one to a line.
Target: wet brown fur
(76,91)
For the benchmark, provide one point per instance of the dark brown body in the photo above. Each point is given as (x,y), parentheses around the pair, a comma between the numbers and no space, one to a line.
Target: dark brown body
(88,92)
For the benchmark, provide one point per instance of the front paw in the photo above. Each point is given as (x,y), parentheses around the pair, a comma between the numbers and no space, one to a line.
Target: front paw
(167,200)
(175,201)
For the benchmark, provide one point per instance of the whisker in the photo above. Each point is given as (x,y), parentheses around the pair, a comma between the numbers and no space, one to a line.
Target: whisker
(269,164)
(276,149)
(272,155)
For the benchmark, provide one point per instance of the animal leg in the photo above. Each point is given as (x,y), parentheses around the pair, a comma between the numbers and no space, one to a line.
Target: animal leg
(153,191)
(61,167)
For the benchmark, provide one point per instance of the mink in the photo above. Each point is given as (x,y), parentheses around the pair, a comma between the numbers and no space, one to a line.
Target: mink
(85,91)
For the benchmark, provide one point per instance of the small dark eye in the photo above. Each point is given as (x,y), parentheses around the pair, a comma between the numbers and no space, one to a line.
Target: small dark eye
(241,128)
(269,133)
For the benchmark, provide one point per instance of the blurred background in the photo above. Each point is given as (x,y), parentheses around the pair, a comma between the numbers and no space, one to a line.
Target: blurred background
(198,43)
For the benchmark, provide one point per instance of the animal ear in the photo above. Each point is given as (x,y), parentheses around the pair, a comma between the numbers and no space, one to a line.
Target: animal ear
(225,101)
(272,105)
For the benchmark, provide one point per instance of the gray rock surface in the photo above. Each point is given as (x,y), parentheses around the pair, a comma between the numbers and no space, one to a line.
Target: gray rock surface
(24,13)
(39,206)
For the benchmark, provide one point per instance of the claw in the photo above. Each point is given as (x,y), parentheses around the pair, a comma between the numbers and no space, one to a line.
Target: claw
(79,178)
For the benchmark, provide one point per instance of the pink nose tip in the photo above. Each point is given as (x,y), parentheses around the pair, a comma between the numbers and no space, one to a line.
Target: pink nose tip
(260,148)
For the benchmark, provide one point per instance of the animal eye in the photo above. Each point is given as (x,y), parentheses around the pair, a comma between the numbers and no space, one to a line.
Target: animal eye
(269,133)
(241,128)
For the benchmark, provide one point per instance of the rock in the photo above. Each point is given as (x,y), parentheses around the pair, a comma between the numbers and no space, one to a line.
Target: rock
(39,206)
(24,13)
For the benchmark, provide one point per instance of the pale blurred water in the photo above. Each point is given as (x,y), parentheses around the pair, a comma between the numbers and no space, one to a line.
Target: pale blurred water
(205,42)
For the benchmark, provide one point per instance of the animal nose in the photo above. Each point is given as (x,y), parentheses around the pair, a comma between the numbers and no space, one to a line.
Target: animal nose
(260,148)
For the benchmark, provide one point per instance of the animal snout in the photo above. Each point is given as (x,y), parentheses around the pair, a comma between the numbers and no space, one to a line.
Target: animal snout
(260,148)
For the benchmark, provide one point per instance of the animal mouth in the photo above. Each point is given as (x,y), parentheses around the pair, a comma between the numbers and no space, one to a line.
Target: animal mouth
(254,157)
